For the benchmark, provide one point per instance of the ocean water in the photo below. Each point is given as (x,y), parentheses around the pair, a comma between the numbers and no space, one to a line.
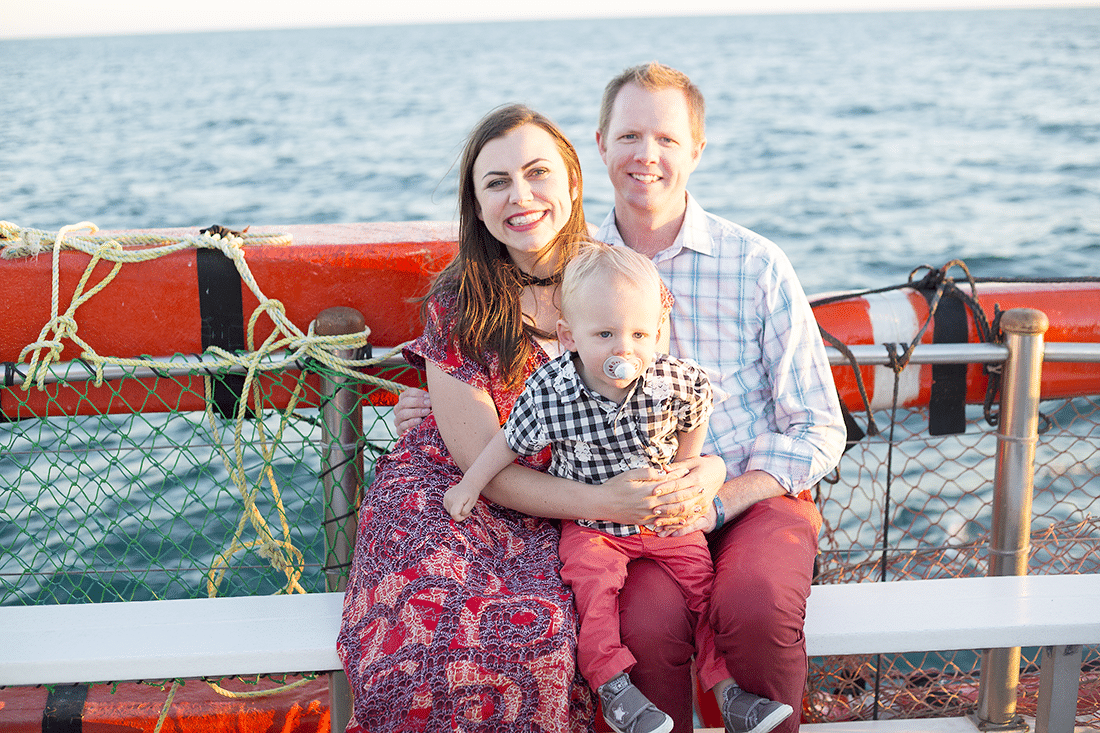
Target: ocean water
(863,144)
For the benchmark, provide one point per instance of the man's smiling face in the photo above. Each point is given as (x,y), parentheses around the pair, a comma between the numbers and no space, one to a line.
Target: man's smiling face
(649,150)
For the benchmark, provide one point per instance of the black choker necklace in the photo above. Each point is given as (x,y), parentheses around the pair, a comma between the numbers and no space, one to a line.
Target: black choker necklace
(526,279)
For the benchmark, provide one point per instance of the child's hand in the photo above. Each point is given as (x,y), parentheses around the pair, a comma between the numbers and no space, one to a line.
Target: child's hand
(460,500)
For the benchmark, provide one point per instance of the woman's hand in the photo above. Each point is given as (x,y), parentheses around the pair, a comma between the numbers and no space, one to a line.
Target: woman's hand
(667,500)
(413,405)
(632,497)
(685,498)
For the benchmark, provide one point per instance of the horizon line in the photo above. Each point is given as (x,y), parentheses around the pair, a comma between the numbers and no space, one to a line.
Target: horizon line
(840,9)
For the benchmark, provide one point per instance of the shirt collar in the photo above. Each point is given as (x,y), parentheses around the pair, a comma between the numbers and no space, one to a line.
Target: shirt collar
(567,383)
(694,233)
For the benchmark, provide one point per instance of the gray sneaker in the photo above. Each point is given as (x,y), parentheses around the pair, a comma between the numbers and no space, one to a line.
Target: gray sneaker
(627,710)
(744,712)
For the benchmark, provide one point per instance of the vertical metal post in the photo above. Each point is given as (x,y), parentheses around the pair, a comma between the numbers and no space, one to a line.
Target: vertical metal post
(339,699)
(342,475)
(342,457)
(1059,683)
(1010,542)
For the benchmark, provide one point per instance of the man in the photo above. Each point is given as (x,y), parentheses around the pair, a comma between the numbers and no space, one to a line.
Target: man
(742,315)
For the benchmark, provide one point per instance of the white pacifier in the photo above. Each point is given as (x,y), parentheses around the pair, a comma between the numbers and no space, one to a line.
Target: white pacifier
(616,367)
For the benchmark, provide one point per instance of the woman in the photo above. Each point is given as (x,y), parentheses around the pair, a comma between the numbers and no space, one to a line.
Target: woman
(468,626)
(446,625)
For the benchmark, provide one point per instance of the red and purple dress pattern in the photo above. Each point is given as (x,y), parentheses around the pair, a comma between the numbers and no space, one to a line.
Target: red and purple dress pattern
(456,626)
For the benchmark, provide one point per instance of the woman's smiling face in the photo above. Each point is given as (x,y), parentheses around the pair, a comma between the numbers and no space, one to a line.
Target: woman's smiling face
(524,195)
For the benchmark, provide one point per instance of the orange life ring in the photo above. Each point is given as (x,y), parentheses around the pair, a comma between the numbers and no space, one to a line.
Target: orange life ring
(896,316)
(195,707)
(185,301)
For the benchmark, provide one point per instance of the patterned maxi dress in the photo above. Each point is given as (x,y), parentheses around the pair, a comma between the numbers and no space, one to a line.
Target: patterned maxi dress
(456,626)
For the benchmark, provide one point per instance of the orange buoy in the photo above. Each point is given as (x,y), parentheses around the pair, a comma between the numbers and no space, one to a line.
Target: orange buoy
(897,316)
(191,299)
(173,304)
(195,707)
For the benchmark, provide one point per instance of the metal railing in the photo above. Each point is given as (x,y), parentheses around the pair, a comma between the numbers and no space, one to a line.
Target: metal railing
(1022,355)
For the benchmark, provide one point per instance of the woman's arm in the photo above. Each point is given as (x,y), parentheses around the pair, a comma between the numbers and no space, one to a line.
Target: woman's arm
(467,421)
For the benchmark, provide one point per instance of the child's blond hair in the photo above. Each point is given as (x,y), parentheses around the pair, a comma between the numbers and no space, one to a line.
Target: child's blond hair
(596,259)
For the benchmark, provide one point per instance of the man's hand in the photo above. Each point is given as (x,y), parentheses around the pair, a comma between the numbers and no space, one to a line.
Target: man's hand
(737,495)
(413,405)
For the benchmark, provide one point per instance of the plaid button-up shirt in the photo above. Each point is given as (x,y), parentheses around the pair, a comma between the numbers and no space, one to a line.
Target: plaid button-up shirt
(593,438)
(741,314)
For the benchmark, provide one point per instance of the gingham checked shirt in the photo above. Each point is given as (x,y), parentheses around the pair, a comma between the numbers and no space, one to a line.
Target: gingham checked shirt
(741,314)
(594,438)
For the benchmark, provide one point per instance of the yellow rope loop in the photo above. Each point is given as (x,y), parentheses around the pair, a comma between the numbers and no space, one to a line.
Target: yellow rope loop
(50,339)
(285,331)
(70,228)
(65,326)
(275,551)
(285,337)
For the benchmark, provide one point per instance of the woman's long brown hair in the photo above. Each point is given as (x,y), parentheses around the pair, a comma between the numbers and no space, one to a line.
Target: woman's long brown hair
(487,318)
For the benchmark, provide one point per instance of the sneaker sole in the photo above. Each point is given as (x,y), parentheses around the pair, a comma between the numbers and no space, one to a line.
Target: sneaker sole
(666,726)
(778,716)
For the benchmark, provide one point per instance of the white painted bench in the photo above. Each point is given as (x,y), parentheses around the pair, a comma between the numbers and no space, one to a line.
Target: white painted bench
(231,636)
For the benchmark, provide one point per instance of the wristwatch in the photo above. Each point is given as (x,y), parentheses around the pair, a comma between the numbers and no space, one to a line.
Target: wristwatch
(721,512)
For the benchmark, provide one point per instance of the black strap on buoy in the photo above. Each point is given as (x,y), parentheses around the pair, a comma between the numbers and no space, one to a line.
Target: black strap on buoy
(64,711)
(947,313)
(947,403)
(221,308)
(9,381)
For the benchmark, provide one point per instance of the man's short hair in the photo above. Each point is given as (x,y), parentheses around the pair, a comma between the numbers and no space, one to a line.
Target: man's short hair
(655,77)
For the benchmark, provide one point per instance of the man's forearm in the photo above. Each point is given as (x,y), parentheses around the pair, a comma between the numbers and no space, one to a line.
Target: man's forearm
(740,493)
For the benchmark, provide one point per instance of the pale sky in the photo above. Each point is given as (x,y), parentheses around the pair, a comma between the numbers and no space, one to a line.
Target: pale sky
(48,18)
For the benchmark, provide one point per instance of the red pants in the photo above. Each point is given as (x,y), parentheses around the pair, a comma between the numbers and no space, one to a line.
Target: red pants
(595,565)
(763,564)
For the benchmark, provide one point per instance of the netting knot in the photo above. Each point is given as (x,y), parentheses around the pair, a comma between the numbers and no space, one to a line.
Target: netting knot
(898,356)
(270,551)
